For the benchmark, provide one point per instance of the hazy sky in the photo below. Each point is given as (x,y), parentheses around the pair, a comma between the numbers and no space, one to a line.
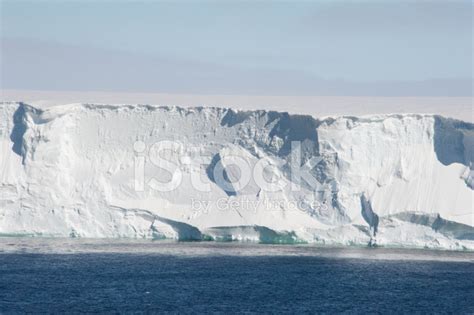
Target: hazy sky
(239,47)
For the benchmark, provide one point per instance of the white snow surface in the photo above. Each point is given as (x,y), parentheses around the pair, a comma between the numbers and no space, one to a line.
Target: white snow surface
(69,171)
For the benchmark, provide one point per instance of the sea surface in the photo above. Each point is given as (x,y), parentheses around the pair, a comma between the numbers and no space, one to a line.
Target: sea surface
(72,276)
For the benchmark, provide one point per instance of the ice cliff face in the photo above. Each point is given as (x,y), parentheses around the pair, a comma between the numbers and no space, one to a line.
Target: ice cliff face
(131,171)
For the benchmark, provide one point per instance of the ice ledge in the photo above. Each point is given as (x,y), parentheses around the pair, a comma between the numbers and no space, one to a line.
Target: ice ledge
(69,108)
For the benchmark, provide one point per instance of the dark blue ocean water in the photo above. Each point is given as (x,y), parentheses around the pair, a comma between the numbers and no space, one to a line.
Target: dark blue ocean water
(222,281)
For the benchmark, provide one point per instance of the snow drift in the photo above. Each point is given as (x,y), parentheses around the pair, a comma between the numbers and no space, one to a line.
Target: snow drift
(401,180)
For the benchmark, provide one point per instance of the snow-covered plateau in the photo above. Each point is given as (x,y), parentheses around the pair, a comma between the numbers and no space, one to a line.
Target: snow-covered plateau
(141,171)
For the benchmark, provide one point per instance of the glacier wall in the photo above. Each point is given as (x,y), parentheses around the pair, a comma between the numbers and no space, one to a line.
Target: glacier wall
(88,170)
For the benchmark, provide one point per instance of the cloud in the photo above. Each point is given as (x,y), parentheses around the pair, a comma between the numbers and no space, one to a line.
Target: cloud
(44,65)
